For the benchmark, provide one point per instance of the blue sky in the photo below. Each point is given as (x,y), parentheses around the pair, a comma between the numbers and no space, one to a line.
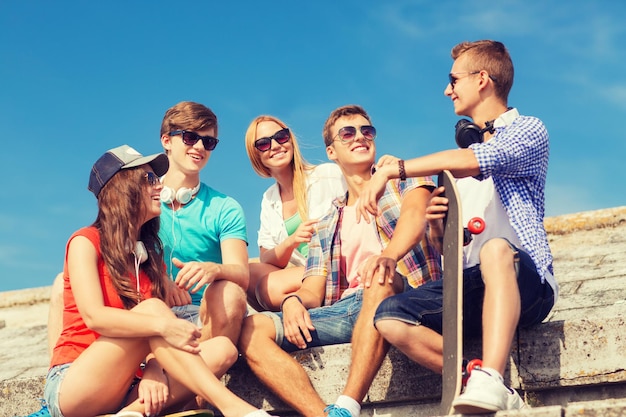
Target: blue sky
(78,78)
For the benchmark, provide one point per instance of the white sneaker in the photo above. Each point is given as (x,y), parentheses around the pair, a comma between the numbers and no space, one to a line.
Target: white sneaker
(485,393)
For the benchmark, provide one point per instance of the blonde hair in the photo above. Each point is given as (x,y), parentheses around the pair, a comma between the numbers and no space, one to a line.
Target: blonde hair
(298,164)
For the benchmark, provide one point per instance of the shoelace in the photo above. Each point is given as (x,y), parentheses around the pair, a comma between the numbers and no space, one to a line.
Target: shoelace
(338,411)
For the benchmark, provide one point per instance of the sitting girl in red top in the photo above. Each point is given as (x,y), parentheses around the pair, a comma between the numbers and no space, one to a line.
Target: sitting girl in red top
(115,317)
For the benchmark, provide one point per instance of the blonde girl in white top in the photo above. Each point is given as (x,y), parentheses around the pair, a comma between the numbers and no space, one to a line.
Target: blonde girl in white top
(290,209)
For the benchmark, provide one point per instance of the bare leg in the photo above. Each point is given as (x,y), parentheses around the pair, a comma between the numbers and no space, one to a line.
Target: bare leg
(273,286)
(368,346)
(502,305)
(277,369)
(418,343)
(55,313)
(222,310)
(115,362)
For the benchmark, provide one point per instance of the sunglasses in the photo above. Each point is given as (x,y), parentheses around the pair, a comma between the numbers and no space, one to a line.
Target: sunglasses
(281,137)
(347,134)
(452,79)
(190,138)
(152,178)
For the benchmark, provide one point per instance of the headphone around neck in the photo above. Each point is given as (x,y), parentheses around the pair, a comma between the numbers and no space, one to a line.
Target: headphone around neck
(183,195)
(467,133)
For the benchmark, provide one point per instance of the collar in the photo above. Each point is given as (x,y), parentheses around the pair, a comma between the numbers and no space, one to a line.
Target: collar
(506,118)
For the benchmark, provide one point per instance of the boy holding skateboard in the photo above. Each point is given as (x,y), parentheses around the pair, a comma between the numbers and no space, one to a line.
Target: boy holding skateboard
(350,268)
(508,276)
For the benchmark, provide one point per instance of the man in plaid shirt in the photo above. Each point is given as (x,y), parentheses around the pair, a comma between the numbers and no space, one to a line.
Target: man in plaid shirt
(351,267)
(507,272)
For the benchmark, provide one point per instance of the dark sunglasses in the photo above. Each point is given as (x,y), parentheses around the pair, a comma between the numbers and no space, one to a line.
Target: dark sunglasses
(190,138)
(452,79)
(152,178)
(347,134)
(281,137)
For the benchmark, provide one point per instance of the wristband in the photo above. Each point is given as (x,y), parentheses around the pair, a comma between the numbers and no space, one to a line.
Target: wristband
(287,298)
(401,169)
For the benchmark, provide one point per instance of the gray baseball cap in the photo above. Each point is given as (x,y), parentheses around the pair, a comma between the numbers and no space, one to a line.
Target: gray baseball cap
(122,157)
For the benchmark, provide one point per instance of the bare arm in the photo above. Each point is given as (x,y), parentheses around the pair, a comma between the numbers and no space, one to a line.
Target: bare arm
(409,231)
(82,262)
(281,254)
(234,267)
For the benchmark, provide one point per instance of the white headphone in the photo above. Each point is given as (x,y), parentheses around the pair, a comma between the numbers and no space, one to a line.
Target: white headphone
(140,252)
(183,195)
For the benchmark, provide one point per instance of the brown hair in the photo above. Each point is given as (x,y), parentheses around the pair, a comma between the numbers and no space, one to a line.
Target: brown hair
(490,56)
(190,116)
(121,207)
(298,164)
(349,110)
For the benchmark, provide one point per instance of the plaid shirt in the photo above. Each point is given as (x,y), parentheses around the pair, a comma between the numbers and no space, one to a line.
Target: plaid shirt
(517,159)
(421,264)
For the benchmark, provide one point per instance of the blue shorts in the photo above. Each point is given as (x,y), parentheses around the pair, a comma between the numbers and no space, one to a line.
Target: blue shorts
(189,312)
(51,390)
(424,305)
(53,385)
(333,324)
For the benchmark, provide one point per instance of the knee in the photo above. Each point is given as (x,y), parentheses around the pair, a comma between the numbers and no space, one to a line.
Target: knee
(390,330)
(494,250)
(56,293)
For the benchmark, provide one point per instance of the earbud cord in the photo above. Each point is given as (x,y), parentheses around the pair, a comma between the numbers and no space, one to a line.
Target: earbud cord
(137,263)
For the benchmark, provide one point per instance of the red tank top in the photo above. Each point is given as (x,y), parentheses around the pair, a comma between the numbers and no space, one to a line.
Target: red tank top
(76,336)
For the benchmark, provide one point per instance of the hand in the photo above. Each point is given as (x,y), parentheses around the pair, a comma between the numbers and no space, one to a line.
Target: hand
(297,323)
(176,296)
(194,275)
(153,389)
(437,206)
(304,232)
(379,268)
(368,198)
(181,334)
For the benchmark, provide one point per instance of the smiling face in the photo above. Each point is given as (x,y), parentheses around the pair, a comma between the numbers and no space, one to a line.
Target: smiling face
(153,187)
(279,156)
(465,93)
(357,155)
(188,159)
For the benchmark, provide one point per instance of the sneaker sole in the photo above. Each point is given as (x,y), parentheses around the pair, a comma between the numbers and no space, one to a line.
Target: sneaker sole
(474,407)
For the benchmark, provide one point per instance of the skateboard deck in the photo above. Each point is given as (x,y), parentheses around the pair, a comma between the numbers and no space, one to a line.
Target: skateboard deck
(188,413)
(453,233)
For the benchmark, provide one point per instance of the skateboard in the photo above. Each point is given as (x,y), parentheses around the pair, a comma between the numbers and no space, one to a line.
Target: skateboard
(455,237)
(188,413)
(453,241)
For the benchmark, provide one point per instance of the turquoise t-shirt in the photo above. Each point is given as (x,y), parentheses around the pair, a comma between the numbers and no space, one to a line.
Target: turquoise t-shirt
(195,231)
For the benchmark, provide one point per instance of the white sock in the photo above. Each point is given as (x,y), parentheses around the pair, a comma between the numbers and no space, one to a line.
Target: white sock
(494,374)
(258,413)
(349,404)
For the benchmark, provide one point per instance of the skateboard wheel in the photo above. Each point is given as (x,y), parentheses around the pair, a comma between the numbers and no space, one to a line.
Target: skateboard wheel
(476,225)
(474,364)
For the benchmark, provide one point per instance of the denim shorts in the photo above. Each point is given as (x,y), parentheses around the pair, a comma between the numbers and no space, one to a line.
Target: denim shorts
(189,312)
(53,385)
(424,305)
(333,324)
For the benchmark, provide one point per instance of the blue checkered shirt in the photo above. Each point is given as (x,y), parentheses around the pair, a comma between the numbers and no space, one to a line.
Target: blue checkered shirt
(421,264)
(517,160)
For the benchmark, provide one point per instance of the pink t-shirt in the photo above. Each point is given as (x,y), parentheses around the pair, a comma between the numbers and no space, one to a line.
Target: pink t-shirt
(359,241)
